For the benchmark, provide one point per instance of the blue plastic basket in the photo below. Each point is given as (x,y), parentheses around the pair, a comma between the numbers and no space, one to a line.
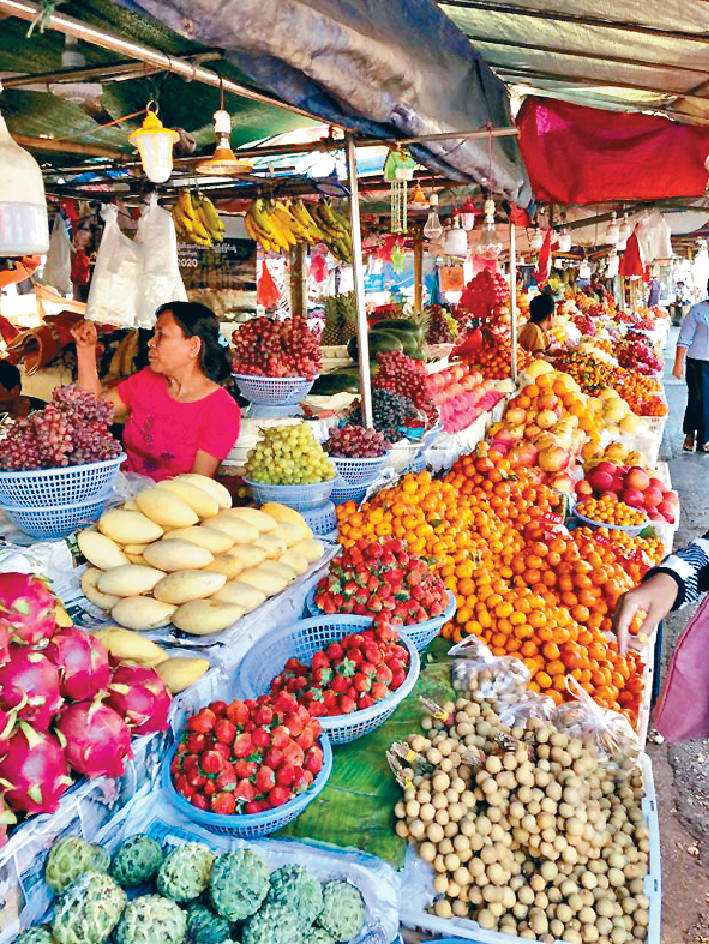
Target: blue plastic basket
(298,497)
(265,660)
(266,411)
(321,521)
(420,634)
(342,493)
(55,487)
(56,521)
(418,465)
(274,391)
(358,471)
(249,825)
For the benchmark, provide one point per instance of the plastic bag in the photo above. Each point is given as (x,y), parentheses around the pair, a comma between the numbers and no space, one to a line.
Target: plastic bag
(57,268)
(113,296)
(584,719)
(475,670)
(161,280)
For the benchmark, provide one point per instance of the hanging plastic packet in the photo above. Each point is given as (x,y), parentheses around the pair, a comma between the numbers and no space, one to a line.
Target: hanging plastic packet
(584,719)
(476,671)
(161,280)
(113,296)
(57,268)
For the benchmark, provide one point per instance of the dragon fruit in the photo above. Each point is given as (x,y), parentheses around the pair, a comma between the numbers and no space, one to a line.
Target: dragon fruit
(96,739)
(82,662)
(4,645)
(29,684)
(34,773)
(139,695)
(26,608)
(7,818)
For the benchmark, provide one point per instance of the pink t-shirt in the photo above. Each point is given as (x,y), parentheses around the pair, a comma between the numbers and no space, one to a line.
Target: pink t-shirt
(163,436)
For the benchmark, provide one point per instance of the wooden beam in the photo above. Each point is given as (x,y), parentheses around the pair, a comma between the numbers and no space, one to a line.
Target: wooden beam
(57,146)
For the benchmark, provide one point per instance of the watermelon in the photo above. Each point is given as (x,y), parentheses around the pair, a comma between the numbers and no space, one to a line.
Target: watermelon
(378,341)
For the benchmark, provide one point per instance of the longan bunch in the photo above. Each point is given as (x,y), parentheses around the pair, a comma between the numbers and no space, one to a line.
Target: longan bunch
(527,831)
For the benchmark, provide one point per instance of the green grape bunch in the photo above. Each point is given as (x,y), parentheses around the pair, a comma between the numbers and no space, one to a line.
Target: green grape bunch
(288,455)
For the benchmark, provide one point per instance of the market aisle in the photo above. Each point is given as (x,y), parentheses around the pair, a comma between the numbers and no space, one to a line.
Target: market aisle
(682,771)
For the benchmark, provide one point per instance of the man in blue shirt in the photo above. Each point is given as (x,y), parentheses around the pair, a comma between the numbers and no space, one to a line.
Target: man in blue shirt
(693,353)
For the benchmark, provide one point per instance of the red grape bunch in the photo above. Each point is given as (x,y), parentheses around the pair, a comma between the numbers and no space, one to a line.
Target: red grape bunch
(407,377)
(355,442)
(268,348)
(71,430)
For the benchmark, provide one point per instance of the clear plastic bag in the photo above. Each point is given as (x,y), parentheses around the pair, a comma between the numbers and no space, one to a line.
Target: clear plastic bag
(582,718)
(113,296)
(476,671)
(530,705)
(161,280)
(57,268)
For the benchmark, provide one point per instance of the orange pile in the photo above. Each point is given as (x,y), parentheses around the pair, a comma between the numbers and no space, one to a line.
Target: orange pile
(640,392)
(610,510)
(494,362)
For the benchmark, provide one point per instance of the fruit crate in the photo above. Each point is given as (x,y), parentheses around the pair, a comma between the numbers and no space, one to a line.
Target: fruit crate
(298,497)
(421,634)
(49,522)
(59,487)
(302,640)
(321,521)
(465,930)
(358,471)
(249,825)
(274,391)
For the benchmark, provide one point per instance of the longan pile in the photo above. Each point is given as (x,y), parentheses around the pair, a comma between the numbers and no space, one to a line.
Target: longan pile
(527,831)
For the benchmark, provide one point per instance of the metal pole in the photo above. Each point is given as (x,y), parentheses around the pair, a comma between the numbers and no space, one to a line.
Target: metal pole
(418,273)
(513,302)
(365,380)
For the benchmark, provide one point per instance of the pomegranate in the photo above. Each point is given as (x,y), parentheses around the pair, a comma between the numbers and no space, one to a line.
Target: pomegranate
(82,662)
(554,459)
(29,685)
(34,771)
(140,697)
(633,497)
(600,479)
(96,739)
(638,478)
(667,510)
(26,608)
(653,496)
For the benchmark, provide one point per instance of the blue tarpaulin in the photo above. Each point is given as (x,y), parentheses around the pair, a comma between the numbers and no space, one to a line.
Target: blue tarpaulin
(373,66)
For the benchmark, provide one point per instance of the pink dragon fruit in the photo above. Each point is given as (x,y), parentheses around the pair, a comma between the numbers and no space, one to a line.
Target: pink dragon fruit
(4,645)
(33,773)
(26,608)
(7,818)
(96,739)
(29,684)
(139,695)
(82,662)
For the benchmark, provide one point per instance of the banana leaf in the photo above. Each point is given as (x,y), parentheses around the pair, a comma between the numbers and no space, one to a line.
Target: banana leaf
(357,806)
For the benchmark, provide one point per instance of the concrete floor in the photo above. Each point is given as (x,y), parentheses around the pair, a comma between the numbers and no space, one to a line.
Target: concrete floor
(682,770)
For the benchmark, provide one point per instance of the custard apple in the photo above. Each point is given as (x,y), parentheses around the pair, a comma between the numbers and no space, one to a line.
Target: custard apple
(204,927)
(136,861)
(274,924)
(69,858)
(318,936)
(238,885)
(88,910)
(151,919)
(343,910)
(34,936)
(297,887)
(184,874)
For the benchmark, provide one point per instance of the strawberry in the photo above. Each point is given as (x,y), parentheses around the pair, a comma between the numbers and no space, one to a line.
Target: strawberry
(222,803)
(190,763)
(226,779)
(292,665)
(265,779)
(209,789)
(225,731)
(264,716)
(243,745)
(280,736)
(321,676)
(365,701)
(329,698)
(224,750)
(245,790)
(196,743)
(346,704)
(355,641)
(261,737)
(383,673)
(335,651)
(339,684)
(286,703)
(293,754)
(285,775)
(182,786)
(245,768)
(255,806)
(273,758)
(199,801)
(361,682)
(278,796)
(218,707)
(346,668)
(379,690)
(237,713)
(314,759)
(320,660)
(202,722)
(306,738)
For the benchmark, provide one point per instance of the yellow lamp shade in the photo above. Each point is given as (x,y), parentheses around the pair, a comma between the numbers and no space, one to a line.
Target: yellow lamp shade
(155,145)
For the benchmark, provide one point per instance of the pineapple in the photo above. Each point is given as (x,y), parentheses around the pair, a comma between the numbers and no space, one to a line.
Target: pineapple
(332,331)
(348,314)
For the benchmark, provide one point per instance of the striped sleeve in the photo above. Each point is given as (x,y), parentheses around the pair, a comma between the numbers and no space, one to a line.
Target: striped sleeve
(689,567)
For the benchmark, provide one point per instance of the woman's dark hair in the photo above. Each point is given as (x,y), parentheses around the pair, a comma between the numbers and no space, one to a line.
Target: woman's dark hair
(9,376)
(198,321)
(541,307)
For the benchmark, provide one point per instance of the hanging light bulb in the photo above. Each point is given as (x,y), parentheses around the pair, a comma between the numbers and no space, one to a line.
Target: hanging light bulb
(418,197)
(613,230)
(537,240)
(155,145)
(24,227)
(612,264)
(585,270)
(564,240)
(433,228)
(456,241)
(467,215)
(489,243)
(624,232)
(223,163)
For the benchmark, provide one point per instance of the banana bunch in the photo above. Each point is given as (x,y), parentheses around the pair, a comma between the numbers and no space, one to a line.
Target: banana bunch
(278,226)
(196,219)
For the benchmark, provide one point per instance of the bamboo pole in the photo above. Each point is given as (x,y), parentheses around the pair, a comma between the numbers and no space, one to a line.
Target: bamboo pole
(365,380)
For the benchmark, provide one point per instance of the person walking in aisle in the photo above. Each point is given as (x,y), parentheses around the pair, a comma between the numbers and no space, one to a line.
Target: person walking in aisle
(692,359)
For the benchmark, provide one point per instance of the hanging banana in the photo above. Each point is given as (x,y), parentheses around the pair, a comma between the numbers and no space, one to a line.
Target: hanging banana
(196,219)
(277,226)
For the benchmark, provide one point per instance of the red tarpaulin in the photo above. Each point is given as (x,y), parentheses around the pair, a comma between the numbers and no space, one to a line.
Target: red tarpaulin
(575,154)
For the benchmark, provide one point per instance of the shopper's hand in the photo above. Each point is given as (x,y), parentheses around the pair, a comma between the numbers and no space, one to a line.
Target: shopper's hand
(678,371)
(655,598)
(84,333)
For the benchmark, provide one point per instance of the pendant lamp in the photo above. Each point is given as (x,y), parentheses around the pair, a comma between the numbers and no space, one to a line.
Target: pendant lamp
(489,244)
(612,264)
(537,241)
(418,197)
(155,145)
(24,226)
(223,163)
(467,215)
(613,230)
(585,270)
(624,232)
(432,228)
(456,241)
(564,240)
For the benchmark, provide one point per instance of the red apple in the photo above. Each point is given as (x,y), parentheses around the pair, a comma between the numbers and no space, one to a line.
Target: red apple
(638,478)
(652,496)
(667,510)
(634,497)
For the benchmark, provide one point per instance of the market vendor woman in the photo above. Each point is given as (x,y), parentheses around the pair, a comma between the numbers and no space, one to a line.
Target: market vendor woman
(179,417)
(533,337)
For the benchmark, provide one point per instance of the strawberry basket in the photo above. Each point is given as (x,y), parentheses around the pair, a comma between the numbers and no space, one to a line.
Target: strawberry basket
(420,634)
(249,825)
(301,641)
